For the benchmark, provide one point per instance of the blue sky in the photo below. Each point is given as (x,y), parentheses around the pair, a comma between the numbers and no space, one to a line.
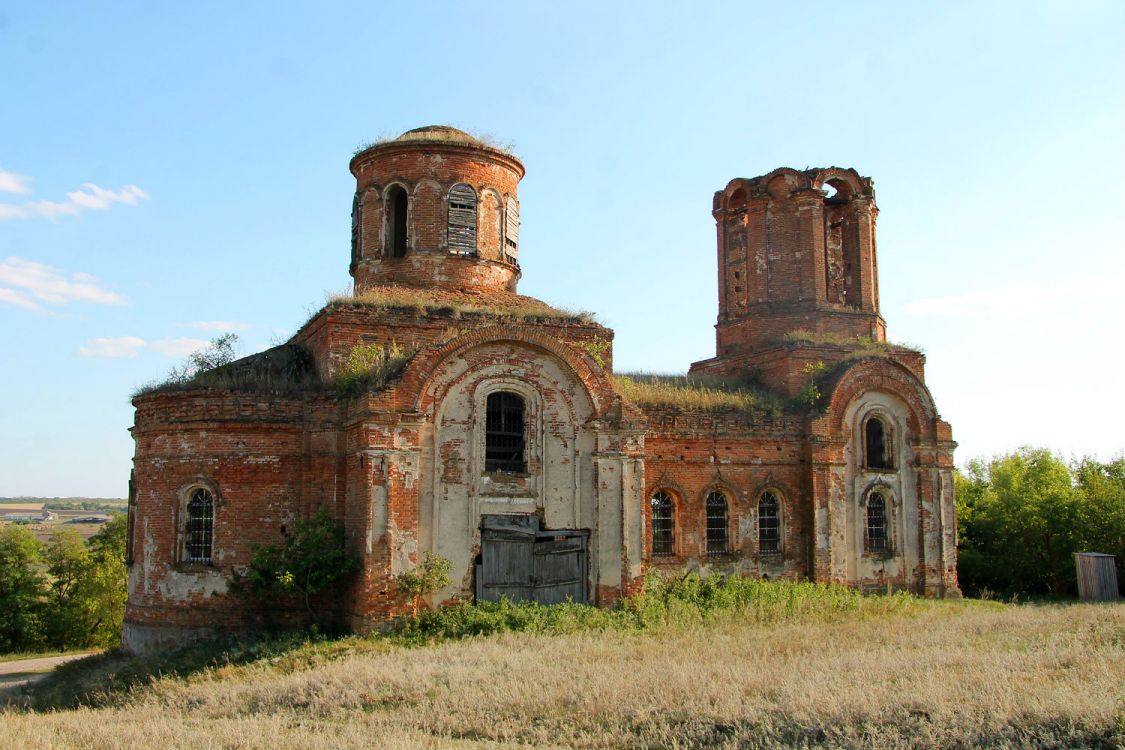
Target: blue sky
(170,171)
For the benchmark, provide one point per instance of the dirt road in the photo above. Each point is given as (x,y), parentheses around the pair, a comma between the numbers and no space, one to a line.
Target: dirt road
(17,673)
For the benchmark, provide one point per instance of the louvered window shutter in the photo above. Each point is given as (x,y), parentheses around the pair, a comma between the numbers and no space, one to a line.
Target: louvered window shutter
(512,229)
(462,220)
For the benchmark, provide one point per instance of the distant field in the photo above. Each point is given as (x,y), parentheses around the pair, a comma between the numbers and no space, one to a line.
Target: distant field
(61,521)
(957,675)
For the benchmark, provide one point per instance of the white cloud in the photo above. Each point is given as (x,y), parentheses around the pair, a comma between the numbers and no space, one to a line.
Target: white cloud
(180,347)
(10,182)
(28,284)
(130,346)
(122,346)
(1020,302)
(19,299)
(89,197)
(220,326)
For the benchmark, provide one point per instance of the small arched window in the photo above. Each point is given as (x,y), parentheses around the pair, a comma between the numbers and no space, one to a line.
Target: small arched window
(503,433)
(876,539)
(718,542)
(511,229)
(769,524)
(397,219)
(663,525)
(462,220)
(877,445)
(357,221)
(200,526)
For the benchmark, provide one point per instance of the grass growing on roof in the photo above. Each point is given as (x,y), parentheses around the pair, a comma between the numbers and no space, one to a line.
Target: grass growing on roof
(513,307)
(706,393)
(864,344)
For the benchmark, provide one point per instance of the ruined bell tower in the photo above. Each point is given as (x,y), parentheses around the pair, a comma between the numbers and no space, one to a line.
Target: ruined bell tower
(796,252)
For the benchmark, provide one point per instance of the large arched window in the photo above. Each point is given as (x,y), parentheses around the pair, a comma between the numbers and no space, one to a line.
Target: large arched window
(877,453)
(718,541)
(462,220)
(503,433)
(876,536)
(769,523)
(663,525)
(200,526)
(397,219)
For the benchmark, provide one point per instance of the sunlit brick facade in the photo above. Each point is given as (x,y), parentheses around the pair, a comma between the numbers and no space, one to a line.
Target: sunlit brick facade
(503,442)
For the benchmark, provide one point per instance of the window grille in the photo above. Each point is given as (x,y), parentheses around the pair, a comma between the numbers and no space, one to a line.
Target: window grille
(462,220)
(876,523)
(663,525)
(717,535)
(503,433)
(200,526)
(769,526)
(878,453)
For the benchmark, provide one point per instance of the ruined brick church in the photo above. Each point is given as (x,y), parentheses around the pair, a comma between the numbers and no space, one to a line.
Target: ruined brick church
(490,429)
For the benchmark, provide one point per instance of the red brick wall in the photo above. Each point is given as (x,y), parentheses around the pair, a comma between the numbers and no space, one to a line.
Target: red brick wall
(791,259)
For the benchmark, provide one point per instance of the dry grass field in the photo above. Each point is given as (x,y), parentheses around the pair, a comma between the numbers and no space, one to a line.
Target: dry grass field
(932,675)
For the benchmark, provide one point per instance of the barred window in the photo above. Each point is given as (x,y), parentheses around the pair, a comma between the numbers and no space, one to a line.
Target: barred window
(717,525)
(663,525)
(462,220)
(876,523)
(769,526)
(503,433)
(200,526)
(877,445)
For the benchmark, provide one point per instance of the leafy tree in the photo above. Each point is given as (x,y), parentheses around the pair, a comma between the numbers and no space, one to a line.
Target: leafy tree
(86,602)
(311,559)
(1022,516)
(216,354)
(432,575)
(22,589)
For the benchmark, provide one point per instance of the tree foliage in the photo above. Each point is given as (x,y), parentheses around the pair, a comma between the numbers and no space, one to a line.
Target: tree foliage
(67,593)
(22,589)
(1022,516)
(311,559)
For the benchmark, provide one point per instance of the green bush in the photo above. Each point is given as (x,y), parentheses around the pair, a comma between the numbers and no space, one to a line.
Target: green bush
(431,576)
(370,366)
(311,559)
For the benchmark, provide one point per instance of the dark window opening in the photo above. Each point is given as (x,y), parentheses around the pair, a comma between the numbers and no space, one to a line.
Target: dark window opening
(878,451)
(876,523)
(396,231)
(717,524)
(200,526)
(357,249)
(769,527)
(663,525)
(503,433)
